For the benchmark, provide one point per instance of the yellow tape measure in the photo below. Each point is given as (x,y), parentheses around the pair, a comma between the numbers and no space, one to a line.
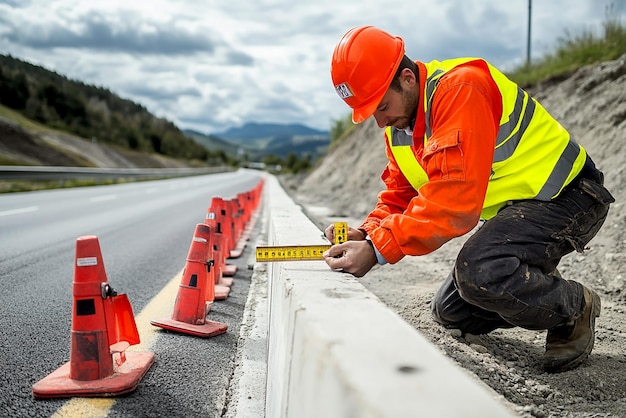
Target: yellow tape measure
(301,252)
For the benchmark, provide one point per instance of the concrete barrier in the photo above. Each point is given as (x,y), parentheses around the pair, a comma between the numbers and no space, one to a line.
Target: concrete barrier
(335,350)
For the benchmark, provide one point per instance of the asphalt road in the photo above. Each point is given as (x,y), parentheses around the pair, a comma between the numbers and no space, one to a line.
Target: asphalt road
(144,230)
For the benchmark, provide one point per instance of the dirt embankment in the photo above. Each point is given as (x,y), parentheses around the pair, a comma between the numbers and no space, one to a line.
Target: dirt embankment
(590,103)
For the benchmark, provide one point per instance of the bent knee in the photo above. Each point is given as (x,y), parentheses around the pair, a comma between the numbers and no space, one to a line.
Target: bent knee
(484,281)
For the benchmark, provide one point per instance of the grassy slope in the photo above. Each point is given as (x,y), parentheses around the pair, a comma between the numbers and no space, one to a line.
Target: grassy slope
(574,51)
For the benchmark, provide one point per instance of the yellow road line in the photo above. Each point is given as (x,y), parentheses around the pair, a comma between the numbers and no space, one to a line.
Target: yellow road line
(159,307)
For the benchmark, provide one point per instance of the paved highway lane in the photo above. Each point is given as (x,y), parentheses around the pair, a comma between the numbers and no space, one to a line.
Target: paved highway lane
(145,230)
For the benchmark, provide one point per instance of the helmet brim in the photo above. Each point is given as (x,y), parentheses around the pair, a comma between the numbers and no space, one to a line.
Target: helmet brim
(364,112)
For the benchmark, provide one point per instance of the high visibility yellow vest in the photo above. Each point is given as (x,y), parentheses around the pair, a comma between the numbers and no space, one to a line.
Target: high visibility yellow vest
(534,157)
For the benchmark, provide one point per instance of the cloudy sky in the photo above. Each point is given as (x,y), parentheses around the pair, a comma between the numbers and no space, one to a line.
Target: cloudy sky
(213,64)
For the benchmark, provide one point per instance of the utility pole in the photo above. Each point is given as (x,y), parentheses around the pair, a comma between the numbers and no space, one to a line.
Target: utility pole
(530,5)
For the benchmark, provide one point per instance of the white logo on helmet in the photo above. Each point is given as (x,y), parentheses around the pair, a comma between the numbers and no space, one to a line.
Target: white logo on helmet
(343,91)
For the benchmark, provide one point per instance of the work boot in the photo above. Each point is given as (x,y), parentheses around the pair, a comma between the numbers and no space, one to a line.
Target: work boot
(567,346)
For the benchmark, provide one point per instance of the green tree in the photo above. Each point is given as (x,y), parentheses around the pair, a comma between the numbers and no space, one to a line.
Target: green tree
(341,127)
(13,90)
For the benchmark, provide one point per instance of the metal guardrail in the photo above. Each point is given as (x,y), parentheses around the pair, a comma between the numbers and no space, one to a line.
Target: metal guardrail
(67,173)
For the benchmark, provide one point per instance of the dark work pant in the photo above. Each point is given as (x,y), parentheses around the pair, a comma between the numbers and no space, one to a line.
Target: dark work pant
(504,275)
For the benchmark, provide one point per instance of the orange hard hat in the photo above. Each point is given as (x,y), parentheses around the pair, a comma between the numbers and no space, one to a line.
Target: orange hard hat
(363,65)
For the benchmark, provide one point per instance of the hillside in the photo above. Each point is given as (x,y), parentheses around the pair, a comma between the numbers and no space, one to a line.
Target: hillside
(591,103)
(28,143)
(88,111)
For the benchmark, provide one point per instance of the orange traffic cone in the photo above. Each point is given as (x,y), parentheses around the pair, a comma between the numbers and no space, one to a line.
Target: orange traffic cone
(248,214)
(235,212)
(222,284)
(247,205)
(222,209)
(234,215)
(219,213)
(190,308)
(103,327)
(224,272)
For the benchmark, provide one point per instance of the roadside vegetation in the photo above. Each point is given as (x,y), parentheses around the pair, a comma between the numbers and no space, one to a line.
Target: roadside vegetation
(341,128)
(291,164)
(575,50)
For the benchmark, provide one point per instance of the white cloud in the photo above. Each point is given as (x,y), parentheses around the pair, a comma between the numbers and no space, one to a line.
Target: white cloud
(211,64)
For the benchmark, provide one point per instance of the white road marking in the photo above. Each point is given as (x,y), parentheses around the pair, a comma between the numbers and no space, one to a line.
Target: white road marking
(18,211)
(103,198)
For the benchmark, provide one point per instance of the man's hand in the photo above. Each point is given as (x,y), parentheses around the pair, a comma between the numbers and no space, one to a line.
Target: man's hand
(353,234)
(354,257)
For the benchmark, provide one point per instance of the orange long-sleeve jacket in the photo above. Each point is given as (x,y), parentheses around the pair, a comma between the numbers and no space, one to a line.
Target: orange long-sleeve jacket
(465,115)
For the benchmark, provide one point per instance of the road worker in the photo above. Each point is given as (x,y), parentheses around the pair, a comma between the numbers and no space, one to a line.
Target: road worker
(470,151)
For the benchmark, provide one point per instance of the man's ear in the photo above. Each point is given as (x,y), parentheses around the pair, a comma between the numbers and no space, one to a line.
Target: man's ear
(407,76)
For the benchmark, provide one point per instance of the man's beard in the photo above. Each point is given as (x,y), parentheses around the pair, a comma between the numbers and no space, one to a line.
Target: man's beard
(409,105)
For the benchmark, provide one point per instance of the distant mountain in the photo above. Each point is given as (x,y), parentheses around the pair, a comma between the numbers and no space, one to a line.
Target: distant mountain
(212,142)
(256,140)
(254,130)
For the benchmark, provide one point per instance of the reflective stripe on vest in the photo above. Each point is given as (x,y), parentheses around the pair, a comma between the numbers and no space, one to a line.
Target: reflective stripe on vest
(401,144)
(525,165)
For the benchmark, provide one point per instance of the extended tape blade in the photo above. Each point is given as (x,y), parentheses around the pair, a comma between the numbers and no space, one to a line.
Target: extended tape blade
(291,253)
(301,252)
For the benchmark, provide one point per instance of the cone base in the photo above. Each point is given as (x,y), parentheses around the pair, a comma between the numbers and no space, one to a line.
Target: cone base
(226,281)
(245,235)
(125,379)
(221,292)
(229,270)
(208,329)
(236,253)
